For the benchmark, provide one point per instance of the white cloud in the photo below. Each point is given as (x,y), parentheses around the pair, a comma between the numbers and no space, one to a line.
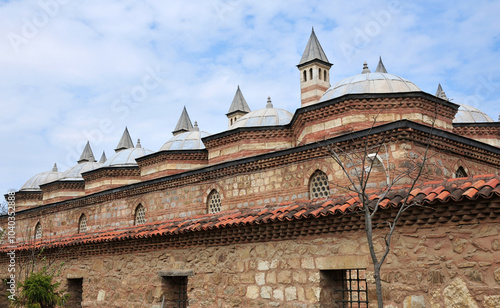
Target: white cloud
(73,74)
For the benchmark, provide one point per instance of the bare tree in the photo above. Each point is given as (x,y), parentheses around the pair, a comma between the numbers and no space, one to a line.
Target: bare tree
(368,163)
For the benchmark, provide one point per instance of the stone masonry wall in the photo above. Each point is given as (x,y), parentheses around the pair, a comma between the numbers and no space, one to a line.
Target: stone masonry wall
(440,266)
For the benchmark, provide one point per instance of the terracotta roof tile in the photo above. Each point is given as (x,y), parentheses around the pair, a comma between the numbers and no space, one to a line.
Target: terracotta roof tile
(429,193)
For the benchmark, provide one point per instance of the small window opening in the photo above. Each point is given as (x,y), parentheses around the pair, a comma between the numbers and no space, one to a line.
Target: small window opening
(305,75)
(75,291)
(175,289)
(214,202)
(38,231)
(343,288)
(140,215)
(461,173)
(82,225)
(319,73)
(324,76)
(311,73)
(318,185)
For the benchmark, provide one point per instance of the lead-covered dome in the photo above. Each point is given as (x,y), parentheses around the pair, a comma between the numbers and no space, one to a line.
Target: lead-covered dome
(126,157)
(190,140)
(75,172)
(469,114)
(368,82)
(33,184)
(268,116)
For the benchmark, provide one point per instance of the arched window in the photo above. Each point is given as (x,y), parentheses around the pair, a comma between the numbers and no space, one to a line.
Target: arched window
(140,215)
(82,224)
(461,173)
(38,231)
(324,76)
(305,75)
(318,185)
(319,73)
(214,203)
(311,73)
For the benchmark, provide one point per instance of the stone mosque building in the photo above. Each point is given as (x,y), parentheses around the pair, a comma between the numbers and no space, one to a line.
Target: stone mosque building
(258,215)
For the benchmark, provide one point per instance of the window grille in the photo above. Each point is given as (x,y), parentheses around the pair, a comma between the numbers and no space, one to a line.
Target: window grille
(351,284)
(38,231)
(318,187)
(214,202)
(82,226)
(174,287)
(140,215)
(180,293)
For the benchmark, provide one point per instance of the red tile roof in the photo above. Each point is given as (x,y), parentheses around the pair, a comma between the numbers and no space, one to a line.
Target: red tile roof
(429,193)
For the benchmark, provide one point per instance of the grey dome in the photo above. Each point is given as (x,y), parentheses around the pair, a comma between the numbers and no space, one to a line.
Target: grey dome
(33,184)
(469,114)
(268,116)
(370,83)
(75,172)
(126,157)
(190,140)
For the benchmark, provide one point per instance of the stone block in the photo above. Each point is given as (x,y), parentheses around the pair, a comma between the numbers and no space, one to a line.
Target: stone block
(252,292)
(456,294)
(492,301)
(265,292)
(414,301)
(291,293)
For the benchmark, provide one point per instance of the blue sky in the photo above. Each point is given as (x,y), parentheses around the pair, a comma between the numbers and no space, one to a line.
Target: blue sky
(72,71)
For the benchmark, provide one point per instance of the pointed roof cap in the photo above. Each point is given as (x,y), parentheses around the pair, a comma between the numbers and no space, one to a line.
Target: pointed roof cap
(440,93)
(313,51)
(184,124)
(366,70)
(380,67)
(103,158)
(125,142)
(87,155)
(239,103)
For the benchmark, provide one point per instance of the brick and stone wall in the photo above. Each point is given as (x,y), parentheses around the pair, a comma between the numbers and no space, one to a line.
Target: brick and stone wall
(448,265)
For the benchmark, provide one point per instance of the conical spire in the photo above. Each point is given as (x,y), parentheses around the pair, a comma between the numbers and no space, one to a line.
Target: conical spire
(239,103)
(380,67)
(184,124)
(103,158)
(313,51)
(125,142)
(87,155)
(55,167)
(366,70)
(440,93)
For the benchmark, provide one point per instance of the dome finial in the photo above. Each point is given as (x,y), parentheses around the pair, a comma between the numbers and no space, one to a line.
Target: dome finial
(380,66)
(195,127)
(55,167)
(269,104)
(138,145)
(366,70)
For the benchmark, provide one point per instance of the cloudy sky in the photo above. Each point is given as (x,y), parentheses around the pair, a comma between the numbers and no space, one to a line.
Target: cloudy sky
(72,71)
